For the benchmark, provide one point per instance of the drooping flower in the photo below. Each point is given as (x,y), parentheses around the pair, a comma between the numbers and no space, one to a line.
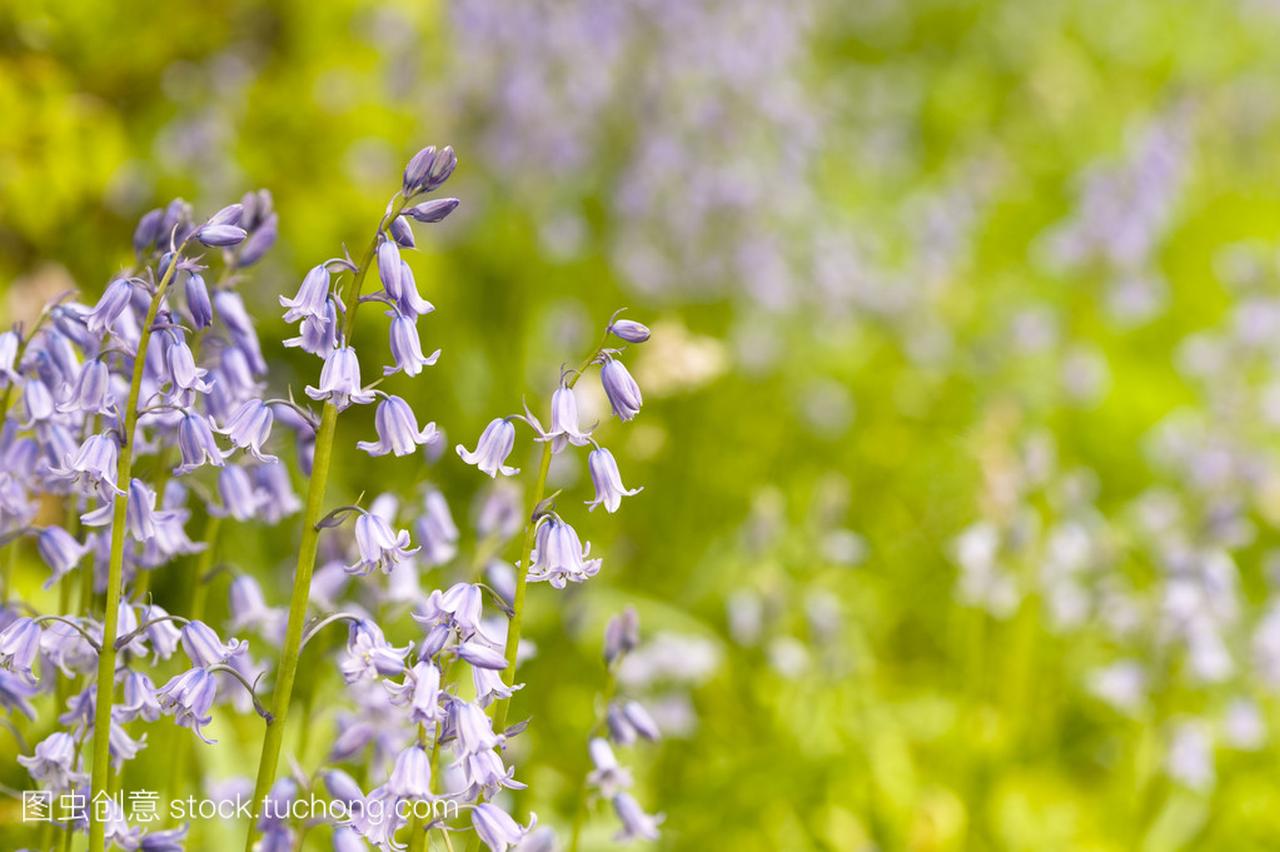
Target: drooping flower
(197,444)
(408,301)
(109,307)
(198,304)
(189,697)
(340,380)
(622,390)
(204,648)
(607,481)
(93,467)
(411,777)
(559,556)
(181,366)
(495,444)
(437,533)
(629,330)
(54,762)
(564,421)
(389,268)
(406,347)
(608,774)
(250,427)
(636,824)
(19,645)
(496,829)
(481,656)
(312,299)
(398,431)
(378,546)
(369,655)
(240,499)
(60,551)
(92,393)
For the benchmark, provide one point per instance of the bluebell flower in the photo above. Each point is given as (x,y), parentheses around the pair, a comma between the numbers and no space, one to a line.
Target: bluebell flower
(229,215)
(66,647)
(342,788)
(92,392)
(280,501)
(496,829)
(430,212)
(484,774)
(406,347)
(203,646)
(181,366)
(378,547)
(312,298)
(259,242)
(397,428)
(437,533)
(240,499)
(197,444)
(340,380)
(231,310)
(411,777)
(38,402)
(198,304)
(490,686)
(440,168)
(19,646)
(9,342)
(621,635)
(460,608)
(421,691)
(640,720)
(14,692)
(140,700)
(93,468)
(636,824)
(54,762)
(416,172)
(390,267)
(189,697)
(401,232)
(123,747)
(622,390)
(495,444)
(607,481)
(250,427)
(608,775)
(160,631)
(147,233)
(109,307)
(221,236)
(481,656)
(408,301)
(80,708)
(317,335)
(472,727)
(60,551)
(558,555)
(369,656)
(564,421)
(248,607)
(629,330)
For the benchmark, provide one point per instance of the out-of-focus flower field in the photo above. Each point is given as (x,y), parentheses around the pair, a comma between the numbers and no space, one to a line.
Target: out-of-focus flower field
(960,525)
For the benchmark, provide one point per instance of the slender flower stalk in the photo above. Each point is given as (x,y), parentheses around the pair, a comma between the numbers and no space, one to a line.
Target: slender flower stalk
(115,570)
(307,547)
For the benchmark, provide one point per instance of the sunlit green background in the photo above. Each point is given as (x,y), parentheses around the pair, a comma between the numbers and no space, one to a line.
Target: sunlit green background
(809,453)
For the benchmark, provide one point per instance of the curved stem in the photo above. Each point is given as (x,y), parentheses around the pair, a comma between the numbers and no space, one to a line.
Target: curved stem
(307,548)
(249,687)
(87,637)
(115,570)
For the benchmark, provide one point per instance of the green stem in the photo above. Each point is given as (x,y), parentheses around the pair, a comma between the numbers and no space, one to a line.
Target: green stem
(115,569)
(307,547)
(580,813)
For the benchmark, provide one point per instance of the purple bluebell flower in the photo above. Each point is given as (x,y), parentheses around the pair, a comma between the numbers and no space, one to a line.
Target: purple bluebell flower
(92,392)
(9,342)
(240,500)
(629,330)
(229,215)
(93,468)
(460,608)
(54,763)
(60,551)
(636,824)
(189,697)
(496,829)
(436,210)
(204,648)
(340,380)
(160,631)
(640,720)
(608,775)
(622,390)
(402,233)
(481,655)
(418,169)
(421,691)
(390,267)
(317,335)
(411,777)
(19,646)
(607,481)
(564,421)
(259,242)
(472,727)
(231,310)
(250,427)
(109,307)
(65,647)
(558,555)
(495,444)
(221,236)
(140,514)
(37,400)
(440,168)
(484,774)
(398,431)
(139,699)
(181,366)
(406,347)
(369,655)
(14,692)
(378,546)
(80,708)
(147,234)
(489,685)
(197,444)
(122,746)
(408,301)
(249,608)
(437,533)
(280,501)
(198,304)
(342,787)
(312,298)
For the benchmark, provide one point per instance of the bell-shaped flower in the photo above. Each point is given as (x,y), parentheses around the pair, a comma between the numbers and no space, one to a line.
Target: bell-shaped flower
(92,392)
(198,304)
(109,307)
(608,775)
(398,431)
(495,444)
(411,775)
(272,480)
(496,829)
(607,481)
(37,401)
(54,762)
(123,747)
(60,551)
(189,697)
(317,334)
(140,513)
(250,427)
(629,330)
(378,547)
(622,390)
(389,268)
(490,686)
(181,367)
(340,380)
(558,555)
(437,533)
(204,648)
(197,444)
(406,347)
(19,646)
(636,824)
(564,421)
(369,655)
(67,648)
(481,656)
(139,699)
(408,301)
(312,298)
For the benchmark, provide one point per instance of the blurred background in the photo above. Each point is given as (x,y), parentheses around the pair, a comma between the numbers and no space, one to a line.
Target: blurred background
(961,475)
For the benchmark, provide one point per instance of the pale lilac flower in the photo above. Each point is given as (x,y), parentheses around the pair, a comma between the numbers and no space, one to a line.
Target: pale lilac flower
(240,499)
(564,421)
(636,824)
(65,647)
(19,646)
(496,829)
(189,697)
(140,514)
(406,347)
(408,301)
(147,232)
(411,777)
(93,467)
(607,481)
(111,304)
(319,334)
(197,444)
(559,556)
(198,304)
(437,533)
(249,608)
(342,787)
(250,427)
(38,402)
(378,546)
(260,241)
(629,330)
(340,380)
(60,551)
(432,211)
(641,721)
(402,233)
(54,763)
(481,656)
(472,727)
(490,686)
(389,268)
(622,390)
(421,691)
(495,444)
(9,342)
(369,655)
(280,501)
(484,774)
(92,393)
(139,699)
(231,310)
(160,631)
(608,774)
(397,428)
(204,648)
(460,608)
(221,236)
(122,746)
(181,366)
(312,298)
